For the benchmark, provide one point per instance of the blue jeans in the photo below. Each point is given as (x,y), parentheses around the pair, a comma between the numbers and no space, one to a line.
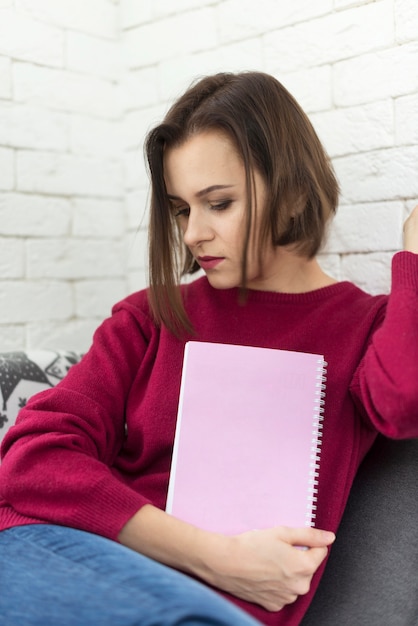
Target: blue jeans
(57,576)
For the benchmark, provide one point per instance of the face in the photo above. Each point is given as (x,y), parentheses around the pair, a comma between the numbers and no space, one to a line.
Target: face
(205,181)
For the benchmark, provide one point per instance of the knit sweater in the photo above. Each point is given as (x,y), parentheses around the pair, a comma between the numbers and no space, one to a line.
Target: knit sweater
(92,451)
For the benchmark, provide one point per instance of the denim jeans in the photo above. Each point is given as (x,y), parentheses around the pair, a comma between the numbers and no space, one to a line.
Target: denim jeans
(57,576)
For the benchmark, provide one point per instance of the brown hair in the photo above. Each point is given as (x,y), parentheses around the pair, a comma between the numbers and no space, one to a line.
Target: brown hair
(273,135)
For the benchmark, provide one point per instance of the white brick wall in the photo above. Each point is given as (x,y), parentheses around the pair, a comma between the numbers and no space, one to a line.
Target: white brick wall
(5,78)
(200,27)
(406,20)
(25,126)
(7,177)
(65,90)
(24,38)
(68,174)
(98,218)
(82,82)
(92,55)
(329,38)
(35,300)
(62,171)
(387,73)
(95,17)
(29,215)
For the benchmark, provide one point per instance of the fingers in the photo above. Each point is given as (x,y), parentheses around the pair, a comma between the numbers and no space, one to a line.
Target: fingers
(268,567)
(276,604)
(310,548)
(411,231)
(414,211)
(306,537)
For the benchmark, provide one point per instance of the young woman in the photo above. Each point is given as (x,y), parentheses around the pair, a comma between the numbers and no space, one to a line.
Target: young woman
(242,188)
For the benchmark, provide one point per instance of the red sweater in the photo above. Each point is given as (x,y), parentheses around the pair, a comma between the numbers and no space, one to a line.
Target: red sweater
(93,450)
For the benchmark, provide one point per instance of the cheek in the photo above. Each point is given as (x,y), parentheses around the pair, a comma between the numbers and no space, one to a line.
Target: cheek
(181,227)
(236,231)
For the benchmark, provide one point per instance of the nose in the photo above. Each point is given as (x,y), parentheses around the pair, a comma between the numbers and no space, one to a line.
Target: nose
(197,228)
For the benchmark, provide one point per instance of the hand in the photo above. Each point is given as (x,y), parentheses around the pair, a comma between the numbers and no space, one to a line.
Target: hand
(410,232)
(268,567)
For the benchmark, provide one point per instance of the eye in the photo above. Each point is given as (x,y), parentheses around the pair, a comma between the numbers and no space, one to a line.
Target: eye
(181,212)
(220,206)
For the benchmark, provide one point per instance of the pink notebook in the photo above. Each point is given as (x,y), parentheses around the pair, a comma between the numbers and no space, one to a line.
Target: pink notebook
(247,443)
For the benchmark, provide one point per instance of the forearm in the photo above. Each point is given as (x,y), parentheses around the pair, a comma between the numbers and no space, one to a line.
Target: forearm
(166,539)
(264,566)
(385,383)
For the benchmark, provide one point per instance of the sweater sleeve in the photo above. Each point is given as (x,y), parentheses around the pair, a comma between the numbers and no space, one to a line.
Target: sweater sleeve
(385,386)
(57,460)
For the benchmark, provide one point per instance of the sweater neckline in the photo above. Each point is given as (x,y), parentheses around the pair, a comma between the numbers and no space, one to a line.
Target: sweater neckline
(276,297)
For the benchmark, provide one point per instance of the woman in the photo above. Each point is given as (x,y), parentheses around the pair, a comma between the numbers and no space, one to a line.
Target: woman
(242,188)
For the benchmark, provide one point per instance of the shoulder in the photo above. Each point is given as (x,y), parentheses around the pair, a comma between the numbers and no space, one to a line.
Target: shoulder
(350,307)
(372,306)
(136,302)
(134,310)
(357,297)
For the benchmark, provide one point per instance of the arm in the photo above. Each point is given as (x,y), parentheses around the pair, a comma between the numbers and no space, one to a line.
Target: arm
(57,460)
(385,384)
(265,567)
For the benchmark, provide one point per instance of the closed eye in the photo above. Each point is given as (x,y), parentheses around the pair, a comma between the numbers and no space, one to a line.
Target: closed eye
(220,206)
(179,212)
(185,210)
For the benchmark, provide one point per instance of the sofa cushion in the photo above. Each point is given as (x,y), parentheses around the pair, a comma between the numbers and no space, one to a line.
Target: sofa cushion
(24,373)
(371,577)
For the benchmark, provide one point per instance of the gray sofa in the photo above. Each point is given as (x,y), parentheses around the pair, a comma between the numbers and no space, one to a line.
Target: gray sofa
(372,575)
(371,578)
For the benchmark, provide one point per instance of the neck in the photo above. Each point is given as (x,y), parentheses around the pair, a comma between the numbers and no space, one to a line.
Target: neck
(289,273)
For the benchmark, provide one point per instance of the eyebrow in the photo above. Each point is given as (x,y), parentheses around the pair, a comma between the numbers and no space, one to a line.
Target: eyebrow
(204,191)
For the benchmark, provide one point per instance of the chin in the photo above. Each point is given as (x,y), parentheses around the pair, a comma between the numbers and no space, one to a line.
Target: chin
(222,282)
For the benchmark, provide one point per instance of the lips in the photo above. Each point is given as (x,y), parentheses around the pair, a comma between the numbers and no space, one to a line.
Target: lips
(209,262)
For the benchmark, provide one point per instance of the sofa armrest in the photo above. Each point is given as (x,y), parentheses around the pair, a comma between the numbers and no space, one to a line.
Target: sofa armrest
(372,574)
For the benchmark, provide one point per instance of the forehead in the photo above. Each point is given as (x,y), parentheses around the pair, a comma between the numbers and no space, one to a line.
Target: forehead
(204,159)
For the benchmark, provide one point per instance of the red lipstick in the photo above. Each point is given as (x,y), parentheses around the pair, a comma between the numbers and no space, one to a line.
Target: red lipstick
(209,262)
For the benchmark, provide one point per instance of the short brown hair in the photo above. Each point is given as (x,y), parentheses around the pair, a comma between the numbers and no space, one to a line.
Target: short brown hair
(271,134)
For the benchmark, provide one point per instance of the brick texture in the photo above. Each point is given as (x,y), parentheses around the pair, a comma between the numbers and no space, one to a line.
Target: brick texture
(82,82)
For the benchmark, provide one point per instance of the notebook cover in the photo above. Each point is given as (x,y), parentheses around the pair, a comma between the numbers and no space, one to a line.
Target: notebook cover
(248,435)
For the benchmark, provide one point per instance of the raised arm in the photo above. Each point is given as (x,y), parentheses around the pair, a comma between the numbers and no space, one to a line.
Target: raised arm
(385,385)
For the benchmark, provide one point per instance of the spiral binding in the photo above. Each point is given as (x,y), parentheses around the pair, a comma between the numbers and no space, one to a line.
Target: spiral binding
(317,426)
